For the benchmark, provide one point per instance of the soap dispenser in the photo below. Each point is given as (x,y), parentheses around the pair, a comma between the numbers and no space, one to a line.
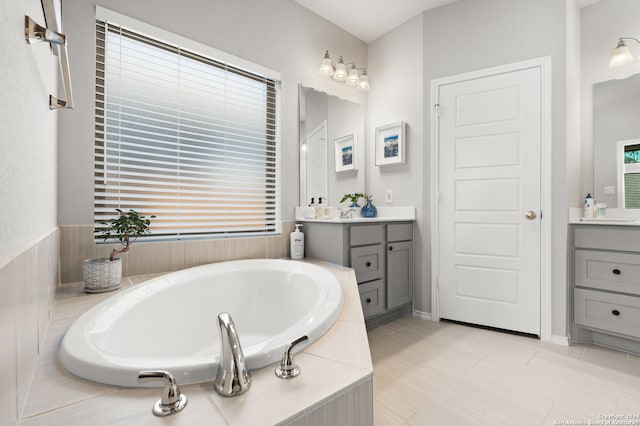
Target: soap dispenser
(319,209)
(297,243)
(309,212)
(589,207)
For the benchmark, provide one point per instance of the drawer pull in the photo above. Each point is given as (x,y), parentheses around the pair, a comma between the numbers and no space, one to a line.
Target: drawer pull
(368,300)
(390,248)
(616,312)
(616,271)
(368,264)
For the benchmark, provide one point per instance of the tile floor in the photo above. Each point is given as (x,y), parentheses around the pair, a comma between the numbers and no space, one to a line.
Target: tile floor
(428,373)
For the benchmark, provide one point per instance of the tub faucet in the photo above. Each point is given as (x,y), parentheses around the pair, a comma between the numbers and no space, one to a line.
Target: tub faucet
(233,376)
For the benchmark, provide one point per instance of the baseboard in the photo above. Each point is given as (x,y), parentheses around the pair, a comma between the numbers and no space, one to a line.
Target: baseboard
(559,340)
(422,315)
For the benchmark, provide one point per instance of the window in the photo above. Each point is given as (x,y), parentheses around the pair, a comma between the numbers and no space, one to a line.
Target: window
(629,173)
(188,138)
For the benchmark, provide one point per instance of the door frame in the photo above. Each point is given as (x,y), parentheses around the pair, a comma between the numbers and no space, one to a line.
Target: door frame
(544,64)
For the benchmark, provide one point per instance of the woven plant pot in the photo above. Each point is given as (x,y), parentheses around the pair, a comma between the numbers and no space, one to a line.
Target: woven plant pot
(101,275)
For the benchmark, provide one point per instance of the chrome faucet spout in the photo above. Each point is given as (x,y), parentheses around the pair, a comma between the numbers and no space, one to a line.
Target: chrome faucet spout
(233,377)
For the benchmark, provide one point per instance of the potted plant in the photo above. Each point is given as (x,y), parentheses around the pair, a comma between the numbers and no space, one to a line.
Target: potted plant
(369,210)
(104,274)
(353,198)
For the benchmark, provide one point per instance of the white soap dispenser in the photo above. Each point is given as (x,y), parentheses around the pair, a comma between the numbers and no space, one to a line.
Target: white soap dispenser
(588,207)
(297,243)
(320,209)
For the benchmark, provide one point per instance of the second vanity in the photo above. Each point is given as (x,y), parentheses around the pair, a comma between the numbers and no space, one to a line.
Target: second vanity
(605,259)
(380,250)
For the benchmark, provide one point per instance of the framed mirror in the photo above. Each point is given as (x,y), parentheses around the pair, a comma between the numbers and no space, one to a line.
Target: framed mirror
(327,124)
(616,142)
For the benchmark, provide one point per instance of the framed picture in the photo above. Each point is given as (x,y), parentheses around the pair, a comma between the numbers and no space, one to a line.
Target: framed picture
(390,144)
(344,153)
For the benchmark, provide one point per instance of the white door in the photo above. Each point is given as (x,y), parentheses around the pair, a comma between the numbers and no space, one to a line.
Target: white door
(489,176)
(316,163)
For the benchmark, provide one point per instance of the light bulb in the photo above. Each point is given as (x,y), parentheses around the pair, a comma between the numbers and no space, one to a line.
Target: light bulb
(352,78)
(621,55)
(326,69)
(364,81)
(340,74)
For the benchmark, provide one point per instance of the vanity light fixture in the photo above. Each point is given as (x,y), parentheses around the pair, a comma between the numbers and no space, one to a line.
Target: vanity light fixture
(351,77)
(621,54)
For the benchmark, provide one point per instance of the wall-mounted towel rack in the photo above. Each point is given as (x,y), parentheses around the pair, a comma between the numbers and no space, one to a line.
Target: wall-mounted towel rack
(36,32)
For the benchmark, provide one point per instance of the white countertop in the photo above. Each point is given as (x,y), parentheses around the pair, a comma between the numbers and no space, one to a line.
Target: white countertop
(385,214)
(339,360)
(613,217)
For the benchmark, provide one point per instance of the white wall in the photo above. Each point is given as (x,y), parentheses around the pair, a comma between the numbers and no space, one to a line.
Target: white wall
(278,34)
(601,25)
(28,230)
(396,76)
(27,130)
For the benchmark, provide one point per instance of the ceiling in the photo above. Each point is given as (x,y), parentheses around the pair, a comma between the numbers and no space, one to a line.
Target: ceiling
(367,19)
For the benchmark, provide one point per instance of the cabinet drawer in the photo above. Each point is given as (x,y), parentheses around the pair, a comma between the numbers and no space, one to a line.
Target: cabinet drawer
(368,262)
(621,238)
(372,297)
(366,234)
(608,271)
(607,311)
(399,232)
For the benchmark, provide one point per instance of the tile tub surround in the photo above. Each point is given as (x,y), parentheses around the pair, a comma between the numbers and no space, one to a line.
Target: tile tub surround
(336,379)
(77,243)
(28,279)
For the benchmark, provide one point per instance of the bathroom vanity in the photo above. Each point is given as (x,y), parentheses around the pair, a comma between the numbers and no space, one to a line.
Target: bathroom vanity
(380,250)
(606,283)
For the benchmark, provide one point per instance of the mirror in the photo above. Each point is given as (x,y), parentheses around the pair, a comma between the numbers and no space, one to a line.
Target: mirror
(616,129)
(331,147)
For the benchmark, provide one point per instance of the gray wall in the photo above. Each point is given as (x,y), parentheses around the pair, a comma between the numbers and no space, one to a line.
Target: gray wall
(601,25)
(460,37)
(345,118)
(278,34)
(397,94)
(612,123)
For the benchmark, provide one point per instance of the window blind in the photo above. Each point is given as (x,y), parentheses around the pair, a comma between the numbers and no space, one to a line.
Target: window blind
(184,137)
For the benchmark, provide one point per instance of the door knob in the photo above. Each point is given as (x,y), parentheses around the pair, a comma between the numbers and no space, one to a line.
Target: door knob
(530,215)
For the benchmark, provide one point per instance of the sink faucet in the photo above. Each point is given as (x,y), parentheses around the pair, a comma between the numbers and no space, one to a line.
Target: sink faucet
(233,377)
(347,213)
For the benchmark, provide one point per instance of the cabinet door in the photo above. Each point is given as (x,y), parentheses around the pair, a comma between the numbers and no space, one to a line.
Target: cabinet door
(399,274)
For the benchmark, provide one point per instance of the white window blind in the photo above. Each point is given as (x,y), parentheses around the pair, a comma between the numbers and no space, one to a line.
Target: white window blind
(184,137)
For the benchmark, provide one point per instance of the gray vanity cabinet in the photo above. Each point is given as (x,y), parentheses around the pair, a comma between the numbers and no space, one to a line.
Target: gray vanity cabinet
(381,255)
(606,291)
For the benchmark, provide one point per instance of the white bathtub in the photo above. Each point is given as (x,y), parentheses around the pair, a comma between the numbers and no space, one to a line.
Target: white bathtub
(170,323)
